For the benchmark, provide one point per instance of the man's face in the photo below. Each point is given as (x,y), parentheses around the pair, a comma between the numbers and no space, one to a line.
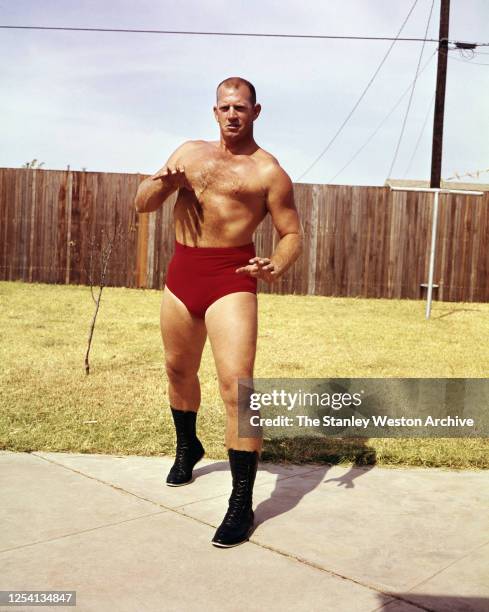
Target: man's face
(234,112)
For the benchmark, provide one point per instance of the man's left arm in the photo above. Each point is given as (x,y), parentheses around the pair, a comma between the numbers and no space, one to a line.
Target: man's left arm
(281,206)
(285,218)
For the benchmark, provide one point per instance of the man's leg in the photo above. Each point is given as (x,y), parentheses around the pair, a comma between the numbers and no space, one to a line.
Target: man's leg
(232,325)
(183,338)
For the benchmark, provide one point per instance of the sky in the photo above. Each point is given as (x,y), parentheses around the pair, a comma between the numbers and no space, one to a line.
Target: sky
(120,102)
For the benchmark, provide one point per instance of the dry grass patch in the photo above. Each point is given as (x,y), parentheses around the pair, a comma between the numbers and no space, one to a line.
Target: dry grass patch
(48,403)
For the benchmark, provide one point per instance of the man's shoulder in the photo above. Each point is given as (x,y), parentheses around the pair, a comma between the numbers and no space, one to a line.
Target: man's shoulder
(192,147)
(271,168)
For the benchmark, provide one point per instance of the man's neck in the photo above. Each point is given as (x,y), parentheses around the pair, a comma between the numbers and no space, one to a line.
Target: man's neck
(246,146)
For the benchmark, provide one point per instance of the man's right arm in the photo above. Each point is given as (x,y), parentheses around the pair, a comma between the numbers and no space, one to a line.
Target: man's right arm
(154,190)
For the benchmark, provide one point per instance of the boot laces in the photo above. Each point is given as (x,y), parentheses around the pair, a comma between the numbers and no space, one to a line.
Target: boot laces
(239,502)
(183,455)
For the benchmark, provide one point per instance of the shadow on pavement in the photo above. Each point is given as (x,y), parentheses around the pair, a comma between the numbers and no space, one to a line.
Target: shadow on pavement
(290,490)
(434,603)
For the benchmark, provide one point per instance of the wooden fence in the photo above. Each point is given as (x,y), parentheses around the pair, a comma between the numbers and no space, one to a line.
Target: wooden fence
(359,241)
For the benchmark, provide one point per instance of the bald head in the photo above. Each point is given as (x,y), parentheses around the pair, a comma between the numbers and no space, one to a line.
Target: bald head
(235,83)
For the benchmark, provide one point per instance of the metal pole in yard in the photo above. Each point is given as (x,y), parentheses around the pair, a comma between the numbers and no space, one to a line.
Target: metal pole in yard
(434,228)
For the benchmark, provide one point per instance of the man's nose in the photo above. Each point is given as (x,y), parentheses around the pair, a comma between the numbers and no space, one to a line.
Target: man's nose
(232,111)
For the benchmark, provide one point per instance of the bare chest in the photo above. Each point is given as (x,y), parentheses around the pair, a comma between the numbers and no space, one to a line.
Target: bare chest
(232,181)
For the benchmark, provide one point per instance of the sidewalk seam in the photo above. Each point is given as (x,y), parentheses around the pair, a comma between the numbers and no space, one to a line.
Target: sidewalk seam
(118,488)
(82,531)
(366,585)
(467,554)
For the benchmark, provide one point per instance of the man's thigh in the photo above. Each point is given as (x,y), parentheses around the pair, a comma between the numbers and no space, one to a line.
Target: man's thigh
(232,325)
(182,333)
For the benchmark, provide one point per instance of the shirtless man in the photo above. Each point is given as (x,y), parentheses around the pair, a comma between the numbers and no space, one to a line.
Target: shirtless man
(225,189)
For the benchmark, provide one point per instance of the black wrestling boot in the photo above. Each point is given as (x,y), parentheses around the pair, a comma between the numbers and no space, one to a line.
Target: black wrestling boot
(189,449)
(238,522)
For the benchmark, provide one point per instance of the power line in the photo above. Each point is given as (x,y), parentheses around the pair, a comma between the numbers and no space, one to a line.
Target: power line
(384,120)
(202,33)
(412,94)
(252,34)
(362,95)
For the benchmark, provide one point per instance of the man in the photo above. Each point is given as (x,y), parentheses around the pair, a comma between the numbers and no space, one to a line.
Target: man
(225,189)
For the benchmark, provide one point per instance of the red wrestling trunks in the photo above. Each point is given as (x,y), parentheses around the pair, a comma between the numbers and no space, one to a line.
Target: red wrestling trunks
(199,276)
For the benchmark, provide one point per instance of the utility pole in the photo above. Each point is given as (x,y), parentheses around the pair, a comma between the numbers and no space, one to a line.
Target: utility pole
(441,81)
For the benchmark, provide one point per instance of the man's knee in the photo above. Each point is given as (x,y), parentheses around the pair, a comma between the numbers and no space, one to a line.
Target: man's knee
(228,385)
(180,370)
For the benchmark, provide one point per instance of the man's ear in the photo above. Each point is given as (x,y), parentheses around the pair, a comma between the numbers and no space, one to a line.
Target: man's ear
(214,108)
(257,110)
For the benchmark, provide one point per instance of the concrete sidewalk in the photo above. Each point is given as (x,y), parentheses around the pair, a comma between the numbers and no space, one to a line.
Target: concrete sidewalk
(328,538)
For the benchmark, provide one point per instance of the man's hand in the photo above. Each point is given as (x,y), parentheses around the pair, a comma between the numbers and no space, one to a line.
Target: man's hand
(260,267)
(175,175)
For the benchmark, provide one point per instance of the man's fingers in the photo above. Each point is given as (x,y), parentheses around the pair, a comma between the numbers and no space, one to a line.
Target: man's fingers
(259,267)
(169,171)
(176,170)
(160,175)
(247,269)
(262,261)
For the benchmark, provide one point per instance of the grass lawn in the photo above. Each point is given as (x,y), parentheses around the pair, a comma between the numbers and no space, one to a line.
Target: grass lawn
(48,403)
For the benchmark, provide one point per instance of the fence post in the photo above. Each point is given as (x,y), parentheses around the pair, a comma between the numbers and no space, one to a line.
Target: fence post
(142,250)
(313,242)
(33,221)
(69,197)
(150,263)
